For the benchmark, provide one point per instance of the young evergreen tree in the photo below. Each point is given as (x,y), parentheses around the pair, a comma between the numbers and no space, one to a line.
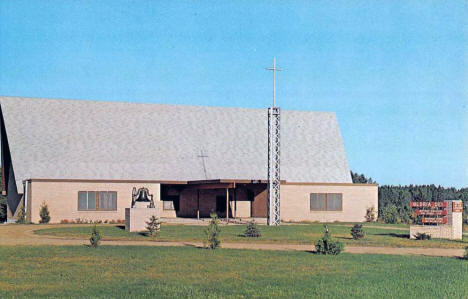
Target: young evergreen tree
(252,230)
(326,245)
(95,238)
(212,233)
(153,226)
(357,232)
(44,213)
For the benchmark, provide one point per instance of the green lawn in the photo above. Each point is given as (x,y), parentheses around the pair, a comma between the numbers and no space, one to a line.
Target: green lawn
(79,271)
(291,234)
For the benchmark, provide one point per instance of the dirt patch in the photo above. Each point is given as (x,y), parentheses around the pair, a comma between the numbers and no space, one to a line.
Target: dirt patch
(15,234)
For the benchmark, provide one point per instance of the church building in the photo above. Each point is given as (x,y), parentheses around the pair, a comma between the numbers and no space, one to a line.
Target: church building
(83,159)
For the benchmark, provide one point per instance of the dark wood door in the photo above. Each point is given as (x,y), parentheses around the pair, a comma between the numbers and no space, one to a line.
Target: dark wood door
(221,205)
(259,205)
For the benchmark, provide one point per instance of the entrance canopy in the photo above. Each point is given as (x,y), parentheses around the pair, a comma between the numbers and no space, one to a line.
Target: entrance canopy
(228,198)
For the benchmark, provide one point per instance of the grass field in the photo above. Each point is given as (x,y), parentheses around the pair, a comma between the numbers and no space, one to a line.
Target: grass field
(79,271)
(392,236)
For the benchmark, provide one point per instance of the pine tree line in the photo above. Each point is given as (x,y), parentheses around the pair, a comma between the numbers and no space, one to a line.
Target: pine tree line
(400,196)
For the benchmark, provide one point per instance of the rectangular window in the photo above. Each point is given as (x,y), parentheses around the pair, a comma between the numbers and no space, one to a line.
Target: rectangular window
(317,202)
(97,201)
(334,202)
(171,203)
(326,202)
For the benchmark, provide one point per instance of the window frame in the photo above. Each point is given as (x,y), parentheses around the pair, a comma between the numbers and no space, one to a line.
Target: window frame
(97,203)
(325,202)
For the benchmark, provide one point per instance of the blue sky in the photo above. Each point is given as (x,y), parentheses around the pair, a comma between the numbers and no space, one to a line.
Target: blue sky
(395,72)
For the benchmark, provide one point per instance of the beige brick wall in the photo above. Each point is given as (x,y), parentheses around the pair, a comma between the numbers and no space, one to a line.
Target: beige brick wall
(295,202)
(62,199)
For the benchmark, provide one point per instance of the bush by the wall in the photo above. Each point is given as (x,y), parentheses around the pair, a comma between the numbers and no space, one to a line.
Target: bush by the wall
(44,213)
(390,214)
(95,238)
(326,245)
(371,214)
(466,253)
(3,209)
(357,232)
(21,218)
(252,230)
(153,226)
(212,233)
(422,236)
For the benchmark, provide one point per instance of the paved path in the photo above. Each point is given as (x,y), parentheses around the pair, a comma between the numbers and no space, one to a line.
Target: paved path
(11,235)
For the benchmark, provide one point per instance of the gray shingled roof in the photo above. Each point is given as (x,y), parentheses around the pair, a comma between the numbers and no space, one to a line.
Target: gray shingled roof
(71,139)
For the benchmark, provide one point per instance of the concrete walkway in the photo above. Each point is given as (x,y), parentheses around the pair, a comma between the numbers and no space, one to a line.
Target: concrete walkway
(11,235)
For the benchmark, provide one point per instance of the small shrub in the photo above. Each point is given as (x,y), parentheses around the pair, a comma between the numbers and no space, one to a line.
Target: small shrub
(153,226)
(252,230)
(357,232)
(120,221)
(44,213)
(21,218)
(64,221)
(422,236)
(326,245)
(95,238)
(466,253)
(390,214)
(371,215)
(3,209)
(212,233)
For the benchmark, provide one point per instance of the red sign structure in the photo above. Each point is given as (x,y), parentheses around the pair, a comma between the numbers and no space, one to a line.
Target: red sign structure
(442,220)
(432,212)
(428,204)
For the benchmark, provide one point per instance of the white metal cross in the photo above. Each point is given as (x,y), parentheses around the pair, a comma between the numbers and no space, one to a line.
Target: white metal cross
(274,69)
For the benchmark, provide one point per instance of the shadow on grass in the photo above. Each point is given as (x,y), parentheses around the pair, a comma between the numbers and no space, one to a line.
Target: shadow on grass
(122,227)
(344,238)
(403,236)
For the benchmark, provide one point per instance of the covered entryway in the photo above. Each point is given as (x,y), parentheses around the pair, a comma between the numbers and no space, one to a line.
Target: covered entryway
(227,198)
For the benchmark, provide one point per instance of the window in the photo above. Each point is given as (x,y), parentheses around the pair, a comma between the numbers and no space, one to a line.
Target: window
(97,201)
(334,202)
(171,203)
(326,202)
(317,202)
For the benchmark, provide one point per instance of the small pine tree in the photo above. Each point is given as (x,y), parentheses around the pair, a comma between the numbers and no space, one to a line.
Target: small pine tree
(95,238)
(252,230)
(212,232)
(44,213)
(326,245)
(153,226)
(21,218)
(357,232)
